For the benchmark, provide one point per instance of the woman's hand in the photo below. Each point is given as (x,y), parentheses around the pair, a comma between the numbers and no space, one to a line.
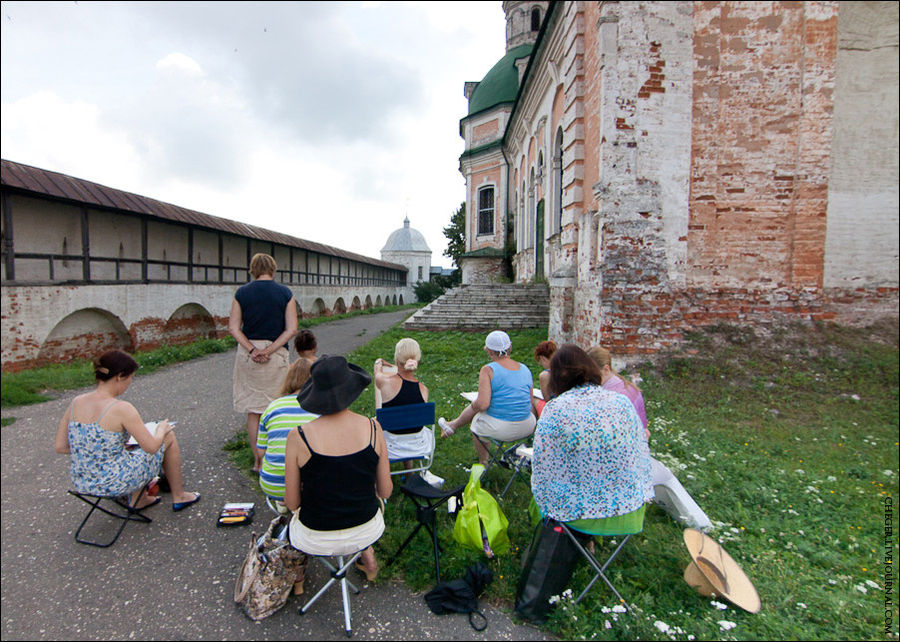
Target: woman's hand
(163,428)
(259,356)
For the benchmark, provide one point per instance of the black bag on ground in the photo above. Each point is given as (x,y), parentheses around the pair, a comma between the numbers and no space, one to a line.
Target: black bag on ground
(461,596)
(548,568)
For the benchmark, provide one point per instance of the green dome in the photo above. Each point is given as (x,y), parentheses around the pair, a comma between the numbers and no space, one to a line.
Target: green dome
(501,84)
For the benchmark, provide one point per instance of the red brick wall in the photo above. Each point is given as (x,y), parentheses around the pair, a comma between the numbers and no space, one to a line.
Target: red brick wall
(763,81)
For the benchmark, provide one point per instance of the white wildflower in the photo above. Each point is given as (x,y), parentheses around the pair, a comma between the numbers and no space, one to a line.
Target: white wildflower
(662,626)
(832,582)
(801,605)
(800,471)
(725,625)
(861,588)
(832,478)
(618,608)
(719,605)
(872,584)
(888,473)
(607,625)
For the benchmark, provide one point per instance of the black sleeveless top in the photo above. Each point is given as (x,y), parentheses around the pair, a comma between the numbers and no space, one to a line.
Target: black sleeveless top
(338,491)
(410,393)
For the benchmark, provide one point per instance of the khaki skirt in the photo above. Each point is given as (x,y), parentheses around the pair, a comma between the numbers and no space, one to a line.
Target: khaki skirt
(256,385)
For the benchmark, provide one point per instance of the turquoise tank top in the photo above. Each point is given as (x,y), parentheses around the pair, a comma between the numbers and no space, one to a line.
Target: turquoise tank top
(510,393)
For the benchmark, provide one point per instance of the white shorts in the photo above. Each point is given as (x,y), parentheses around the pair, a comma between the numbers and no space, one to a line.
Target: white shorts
(346,541)
(484,425)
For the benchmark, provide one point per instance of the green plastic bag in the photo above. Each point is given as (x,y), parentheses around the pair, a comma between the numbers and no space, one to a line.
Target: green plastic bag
(480,524)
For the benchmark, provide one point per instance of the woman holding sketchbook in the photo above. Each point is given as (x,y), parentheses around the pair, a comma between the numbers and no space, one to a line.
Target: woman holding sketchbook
(95,429)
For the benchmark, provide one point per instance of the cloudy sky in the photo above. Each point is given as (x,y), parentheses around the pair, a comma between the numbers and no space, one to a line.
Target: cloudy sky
(328,121)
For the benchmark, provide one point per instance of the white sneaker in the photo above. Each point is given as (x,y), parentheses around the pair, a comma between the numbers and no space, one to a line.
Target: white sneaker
(431,479)
(446,428)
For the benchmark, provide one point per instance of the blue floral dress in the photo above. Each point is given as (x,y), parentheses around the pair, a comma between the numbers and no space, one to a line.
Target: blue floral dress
(100,464)
(590,457)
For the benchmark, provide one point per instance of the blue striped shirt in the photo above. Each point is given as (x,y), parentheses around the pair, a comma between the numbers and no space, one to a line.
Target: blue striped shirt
(281,417)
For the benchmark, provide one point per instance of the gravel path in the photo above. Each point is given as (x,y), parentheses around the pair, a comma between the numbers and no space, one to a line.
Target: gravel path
(173,579)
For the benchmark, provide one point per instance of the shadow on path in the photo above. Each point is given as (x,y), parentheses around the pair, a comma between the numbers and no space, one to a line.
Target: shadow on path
(173,579)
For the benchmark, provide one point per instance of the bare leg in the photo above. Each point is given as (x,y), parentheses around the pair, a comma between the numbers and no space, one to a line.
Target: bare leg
(367,560)
(172,467)
(483,455)
(464,419)
(252,431)
(140,499)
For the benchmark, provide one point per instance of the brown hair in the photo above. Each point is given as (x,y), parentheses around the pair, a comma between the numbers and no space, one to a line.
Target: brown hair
(113,363)
(262,264)
(305,341)
(545,349)
(297,375)
(603,357)
(570,367)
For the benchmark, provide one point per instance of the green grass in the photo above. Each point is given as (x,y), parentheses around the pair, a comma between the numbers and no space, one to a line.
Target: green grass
(311,322)
(788,441)
(41,384)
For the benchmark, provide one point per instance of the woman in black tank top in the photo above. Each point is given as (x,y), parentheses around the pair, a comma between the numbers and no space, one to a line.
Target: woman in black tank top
(407,356)
(336,466)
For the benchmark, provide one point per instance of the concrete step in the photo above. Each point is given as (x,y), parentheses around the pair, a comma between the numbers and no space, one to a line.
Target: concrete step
(485,307)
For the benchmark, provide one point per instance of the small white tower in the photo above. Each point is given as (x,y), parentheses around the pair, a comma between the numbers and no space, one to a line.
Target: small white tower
(407,246)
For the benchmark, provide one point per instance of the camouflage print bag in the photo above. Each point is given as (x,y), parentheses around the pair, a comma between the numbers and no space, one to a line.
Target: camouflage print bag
(269,571)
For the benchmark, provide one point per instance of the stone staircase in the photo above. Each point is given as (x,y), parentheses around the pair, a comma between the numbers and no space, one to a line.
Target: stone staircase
(485,307)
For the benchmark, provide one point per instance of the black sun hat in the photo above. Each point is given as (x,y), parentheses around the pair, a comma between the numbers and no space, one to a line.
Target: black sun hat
(333,385)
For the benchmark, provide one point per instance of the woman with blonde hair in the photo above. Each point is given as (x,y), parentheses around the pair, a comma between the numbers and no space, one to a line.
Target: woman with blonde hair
(616,382)
(397,385)
(263,319)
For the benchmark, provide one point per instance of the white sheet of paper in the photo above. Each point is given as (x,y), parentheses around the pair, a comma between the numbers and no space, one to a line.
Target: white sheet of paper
(151,426)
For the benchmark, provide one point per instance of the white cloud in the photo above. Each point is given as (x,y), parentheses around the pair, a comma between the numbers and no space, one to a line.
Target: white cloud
(328,121)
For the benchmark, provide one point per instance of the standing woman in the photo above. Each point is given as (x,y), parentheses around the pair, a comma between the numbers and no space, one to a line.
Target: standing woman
(95,428)
(263,319)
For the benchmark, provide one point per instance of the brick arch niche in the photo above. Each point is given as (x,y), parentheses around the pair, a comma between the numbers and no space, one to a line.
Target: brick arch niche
(85,334)
(189,323)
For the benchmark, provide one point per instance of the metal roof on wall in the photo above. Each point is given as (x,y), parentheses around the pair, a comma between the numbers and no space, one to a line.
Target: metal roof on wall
(25,178)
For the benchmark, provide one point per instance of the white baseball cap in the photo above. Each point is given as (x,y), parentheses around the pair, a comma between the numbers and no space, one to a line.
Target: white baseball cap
(498,341)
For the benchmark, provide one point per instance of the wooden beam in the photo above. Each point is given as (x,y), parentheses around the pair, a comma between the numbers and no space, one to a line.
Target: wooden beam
(85,245)
(9,246)
(145,251)
(190,261)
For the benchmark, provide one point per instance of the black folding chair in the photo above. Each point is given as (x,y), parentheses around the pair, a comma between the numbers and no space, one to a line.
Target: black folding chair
(128,513)
(427,500)
(504,454)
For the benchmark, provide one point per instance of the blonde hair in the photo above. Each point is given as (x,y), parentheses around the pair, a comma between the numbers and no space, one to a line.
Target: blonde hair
(297,375)
(262,264)
(602,357)
(406,351)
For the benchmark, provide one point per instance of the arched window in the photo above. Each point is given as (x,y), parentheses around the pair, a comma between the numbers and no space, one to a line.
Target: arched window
(540,167)
(557,181)
(486,210)
(529,240)
(535,19)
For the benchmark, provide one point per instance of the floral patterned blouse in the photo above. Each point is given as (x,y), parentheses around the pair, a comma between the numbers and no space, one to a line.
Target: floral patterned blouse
(590,456)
